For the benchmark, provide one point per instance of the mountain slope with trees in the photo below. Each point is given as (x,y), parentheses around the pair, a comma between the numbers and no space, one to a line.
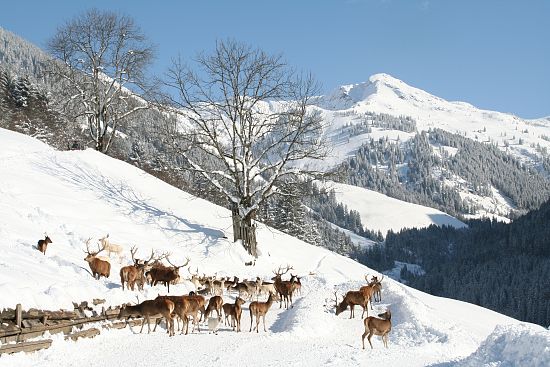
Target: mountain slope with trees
(501,266)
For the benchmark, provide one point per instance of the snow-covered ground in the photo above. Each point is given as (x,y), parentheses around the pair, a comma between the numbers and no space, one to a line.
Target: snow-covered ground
(79,194)
(349,106)
(381,213)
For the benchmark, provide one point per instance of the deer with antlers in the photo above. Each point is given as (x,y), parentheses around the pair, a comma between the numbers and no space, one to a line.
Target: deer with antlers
(98,266)
(133,274)
(165,274)
(150,308)
(284,288)
(375,326)
(43,244)
(260,309)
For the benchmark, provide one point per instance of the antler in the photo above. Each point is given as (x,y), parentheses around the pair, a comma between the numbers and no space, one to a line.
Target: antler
(150,257)
(367,278)
(175,266)
(133,251)
(88,249)
(279,271)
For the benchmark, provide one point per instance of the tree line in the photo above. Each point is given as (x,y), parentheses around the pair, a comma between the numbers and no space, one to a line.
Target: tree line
(501,266)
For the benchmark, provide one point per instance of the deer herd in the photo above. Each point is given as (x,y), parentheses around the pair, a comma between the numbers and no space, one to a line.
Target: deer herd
(194,305)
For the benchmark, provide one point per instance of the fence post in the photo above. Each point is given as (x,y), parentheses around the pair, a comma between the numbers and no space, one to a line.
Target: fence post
(18,315)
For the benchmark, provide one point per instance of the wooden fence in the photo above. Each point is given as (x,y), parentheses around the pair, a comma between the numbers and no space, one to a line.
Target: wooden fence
(17,326)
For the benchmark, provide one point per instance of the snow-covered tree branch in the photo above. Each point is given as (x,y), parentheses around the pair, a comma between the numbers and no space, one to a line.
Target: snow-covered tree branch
(249,113)
(100,61)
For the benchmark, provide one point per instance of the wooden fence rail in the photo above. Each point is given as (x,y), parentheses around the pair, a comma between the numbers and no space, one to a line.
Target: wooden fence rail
(18,326)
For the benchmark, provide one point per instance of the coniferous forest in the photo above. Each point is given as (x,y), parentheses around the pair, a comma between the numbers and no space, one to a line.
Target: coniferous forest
(504,267)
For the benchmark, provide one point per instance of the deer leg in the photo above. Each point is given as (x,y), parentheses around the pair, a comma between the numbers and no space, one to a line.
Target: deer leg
(370,336)
(264,324)
(250,321)
(363,338)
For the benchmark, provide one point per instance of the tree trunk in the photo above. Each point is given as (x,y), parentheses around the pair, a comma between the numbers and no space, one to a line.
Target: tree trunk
(244,229)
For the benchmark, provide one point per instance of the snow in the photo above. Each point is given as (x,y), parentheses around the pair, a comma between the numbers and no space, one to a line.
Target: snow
(79,194)
(383,93)
(379,212)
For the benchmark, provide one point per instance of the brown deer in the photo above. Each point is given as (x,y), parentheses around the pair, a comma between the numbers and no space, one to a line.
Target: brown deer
(147,309)
(183,308)
(235,311)
(165,274)
(374,326)
(43,244)
(260,309)
(377,284)
(368,292)
(134,273)
(352,299)
(99,267)
(214,303)
(297,283)
(284,288)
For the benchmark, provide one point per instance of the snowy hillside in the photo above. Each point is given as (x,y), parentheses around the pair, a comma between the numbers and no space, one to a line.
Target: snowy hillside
(80,194)
(388,110)
(382,213)
(385,94)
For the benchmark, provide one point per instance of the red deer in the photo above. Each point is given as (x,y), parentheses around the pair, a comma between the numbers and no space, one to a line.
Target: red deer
(165,274)
(147,309)
(183,308)
(297,283)
(235,311)
(368,291)
(214,303)
(377,284)
(374,326)
(99,267)
(134,273)
(352,299)
(285,288)
(43,244)
(260,309)
(198,303)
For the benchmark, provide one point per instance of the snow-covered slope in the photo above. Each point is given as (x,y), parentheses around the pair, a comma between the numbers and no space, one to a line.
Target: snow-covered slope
(381,213)
(80,194)
(348,116)
(383,93)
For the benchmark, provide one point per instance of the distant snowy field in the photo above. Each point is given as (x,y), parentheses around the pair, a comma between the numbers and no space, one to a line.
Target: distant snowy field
(381,213)
(80,194)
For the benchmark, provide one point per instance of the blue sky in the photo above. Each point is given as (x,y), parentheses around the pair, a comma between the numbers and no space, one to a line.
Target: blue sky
(494,54)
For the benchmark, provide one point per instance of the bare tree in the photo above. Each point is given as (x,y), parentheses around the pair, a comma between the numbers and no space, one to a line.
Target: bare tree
(103,59)
(245,126)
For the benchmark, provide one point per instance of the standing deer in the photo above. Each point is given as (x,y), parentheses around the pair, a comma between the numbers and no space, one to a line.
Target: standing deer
(165,274)
(214,303)
(97,266)
(235,311)
(260,309)
(352,299)
(377,285)
(374,326)
(147,309)
(111,247)
(43,244)
(285,288)
(133,274)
